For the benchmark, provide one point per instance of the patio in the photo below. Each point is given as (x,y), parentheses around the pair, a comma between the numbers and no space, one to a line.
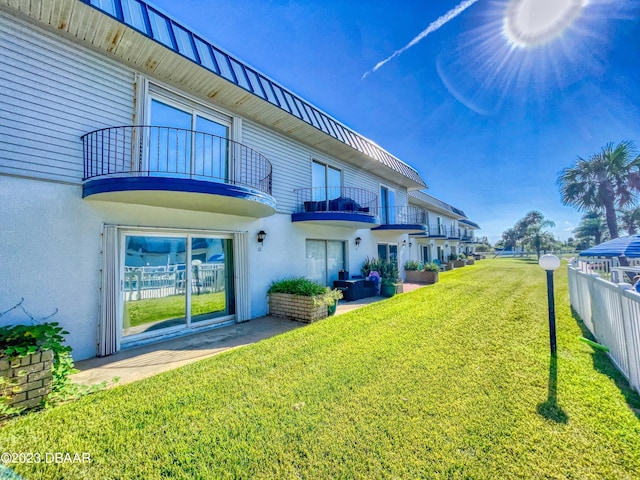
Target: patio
(145,361)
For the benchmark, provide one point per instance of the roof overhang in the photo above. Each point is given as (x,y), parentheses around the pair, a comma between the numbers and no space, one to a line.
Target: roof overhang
(84,24)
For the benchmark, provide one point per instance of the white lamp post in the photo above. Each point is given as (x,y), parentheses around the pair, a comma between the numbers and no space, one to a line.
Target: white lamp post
(550,263)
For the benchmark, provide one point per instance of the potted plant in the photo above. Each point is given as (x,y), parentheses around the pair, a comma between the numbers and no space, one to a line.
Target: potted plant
(301,299)
(387,287)
(452,258)
(390,283)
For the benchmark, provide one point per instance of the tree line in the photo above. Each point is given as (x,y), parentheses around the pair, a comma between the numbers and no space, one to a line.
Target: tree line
(604,186)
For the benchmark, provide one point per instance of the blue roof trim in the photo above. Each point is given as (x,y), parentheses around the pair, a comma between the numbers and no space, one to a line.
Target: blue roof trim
(136,16)
(334,216)
(406,227)
(126,184)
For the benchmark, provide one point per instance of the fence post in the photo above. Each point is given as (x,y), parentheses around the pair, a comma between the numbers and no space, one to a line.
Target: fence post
(630,345)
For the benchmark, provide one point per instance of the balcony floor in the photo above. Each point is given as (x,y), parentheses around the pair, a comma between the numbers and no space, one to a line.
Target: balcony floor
(337,219)
(181,193)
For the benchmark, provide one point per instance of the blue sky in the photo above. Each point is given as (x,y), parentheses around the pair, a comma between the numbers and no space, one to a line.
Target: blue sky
(487,118)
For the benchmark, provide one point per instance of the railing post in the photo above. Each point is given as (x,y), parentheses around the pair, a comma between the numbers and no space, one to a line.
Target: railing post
(630,345)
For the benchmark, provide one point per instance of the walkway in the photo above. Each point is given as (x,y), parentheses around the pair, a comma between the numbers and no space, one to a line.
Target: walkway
(145,361)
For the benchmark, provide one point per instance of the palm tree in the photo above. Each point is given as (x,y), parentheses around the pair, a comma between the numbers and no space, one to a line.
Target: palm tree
(592,226)
(606,180)
(630,220)
(537,238)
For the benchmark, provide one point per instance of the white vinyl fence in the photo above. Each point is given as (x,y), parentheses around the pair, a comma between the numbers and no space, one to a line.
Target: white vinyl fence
(612,313)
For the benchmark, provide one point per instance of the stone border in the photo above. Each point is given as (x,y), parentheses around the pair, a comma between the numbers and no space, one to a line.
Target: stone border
(29,379)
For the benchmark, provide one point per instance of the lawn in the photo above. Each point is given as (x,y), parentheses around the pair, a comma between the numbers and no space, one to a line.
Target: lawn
(452,380)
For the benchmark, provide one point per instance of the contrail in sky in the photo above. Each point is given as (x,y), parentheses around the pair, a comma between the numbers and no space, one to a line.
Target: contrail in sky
(433,26)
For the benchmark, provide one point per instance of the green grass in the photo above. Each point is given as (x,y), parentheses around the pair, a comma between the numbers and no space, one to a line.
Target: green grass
(148,310)
(448,381)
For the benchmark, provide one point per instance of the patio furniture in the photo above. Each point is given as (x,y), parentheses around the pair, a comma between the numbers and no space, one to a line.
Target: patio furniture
(355,289)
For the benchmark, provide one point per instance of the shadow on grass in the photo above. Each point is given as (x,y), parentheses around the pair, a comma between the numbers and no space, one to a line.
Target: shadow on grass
(604,365)
(550,409)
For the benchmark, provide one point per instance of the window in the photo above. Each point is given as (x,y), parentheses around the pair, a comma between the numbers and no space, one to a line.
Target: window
(326,182)
(388,252)
(387,205)
(188,142)
(325,258)
(174,281)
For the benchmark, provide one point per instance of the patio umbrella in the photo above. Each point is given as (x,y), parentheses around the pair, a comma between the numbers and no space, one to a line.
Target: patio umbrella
(627,246)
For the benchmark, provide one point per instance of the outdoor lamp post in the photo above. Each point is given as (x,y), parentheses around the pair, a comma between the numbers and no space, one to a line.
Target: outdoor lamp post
(550,263)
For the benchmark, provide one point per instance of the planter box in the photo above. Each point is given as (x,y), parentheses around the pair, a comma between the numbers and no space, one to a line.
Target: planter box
(459,263)
(449,265)
(416,276)
(470,261)
(29,379)
(296,307)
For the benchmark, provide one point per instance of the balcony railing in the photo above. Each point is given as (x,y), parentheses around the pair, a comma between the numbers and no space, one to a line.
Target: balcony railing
(402,215)
(436,230)
(336,200)
(174,152)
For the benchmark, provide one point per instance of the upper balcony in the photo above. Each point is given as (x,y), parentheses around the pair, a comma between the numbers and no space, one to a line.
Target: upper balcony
(437,231)
(176,168)
(403,219)
(337,206)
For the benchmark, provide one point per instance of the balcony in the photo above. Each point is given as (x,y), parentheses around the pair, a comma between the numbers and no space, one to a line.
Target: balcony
(403,219)
(337,206)
(176,168)
(437,231)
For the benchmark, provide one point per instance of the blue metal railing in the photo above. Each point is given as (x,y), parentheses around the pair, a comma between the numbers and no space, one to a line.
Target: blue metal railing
(336,199)
(402,215)
(436,230)
(175,152)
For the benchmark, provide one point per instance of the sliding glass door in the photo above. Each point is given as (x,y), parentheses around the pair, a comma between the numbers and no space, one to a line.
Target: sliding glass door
(173,282)
(325,258)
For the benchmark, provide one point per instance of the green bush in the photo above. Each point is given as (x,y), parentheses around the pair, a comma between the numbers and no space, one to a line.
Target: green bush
(430,267)
(412,265)
(306,288)
(297,286)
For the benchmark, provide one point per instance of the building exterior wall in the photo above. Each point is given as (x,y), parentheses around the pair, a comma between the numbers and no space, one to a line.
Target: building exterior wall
(53,93)
(51,251)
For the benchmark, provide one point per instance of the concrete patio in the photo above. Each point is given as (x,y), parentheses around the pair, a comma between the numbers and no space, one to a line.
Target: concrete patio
(145,361)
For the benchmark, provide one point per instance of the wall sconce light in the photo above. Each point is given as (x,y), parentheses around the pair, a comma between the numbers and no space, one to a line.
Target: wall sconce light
(404,243)
(410,244)
(261,236)
(358,240)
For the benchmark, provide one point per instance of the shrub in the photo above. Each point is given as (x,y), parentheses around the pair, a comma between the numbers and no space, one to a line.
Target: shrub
(306,288)
(297,286)
(430,267)
(412,265)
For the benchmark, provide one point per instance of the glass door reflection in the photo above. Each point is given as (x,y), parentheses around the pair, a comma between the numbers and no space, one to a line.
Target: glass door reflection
(210,269)
(154,284)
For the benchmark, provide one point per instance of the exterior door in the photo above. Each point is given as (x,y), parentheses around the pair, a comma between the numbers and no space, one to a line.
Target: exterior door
(324,258)
(175,281)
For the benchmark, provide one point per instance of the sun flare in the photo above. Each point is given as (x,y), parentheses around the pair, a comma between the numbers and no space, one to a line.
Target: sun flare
(529,23)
